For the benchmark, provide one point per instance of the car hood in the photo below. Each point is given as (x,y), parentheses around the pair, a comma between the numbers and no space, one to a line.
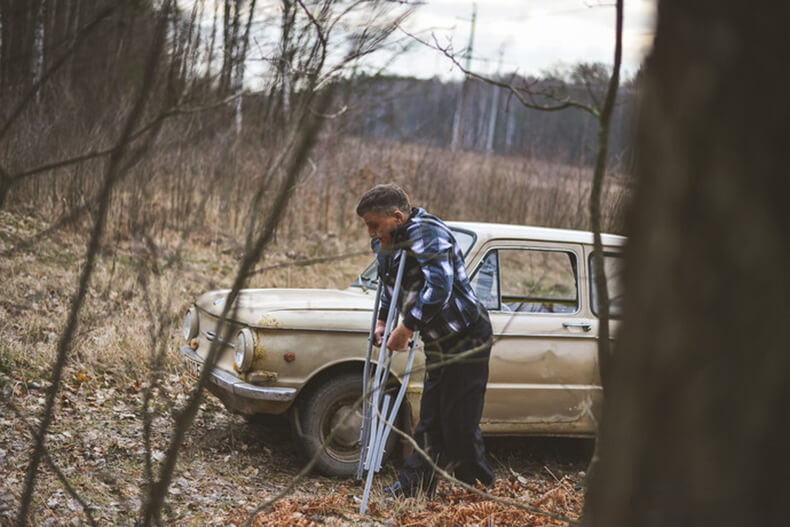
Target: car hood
(262,307)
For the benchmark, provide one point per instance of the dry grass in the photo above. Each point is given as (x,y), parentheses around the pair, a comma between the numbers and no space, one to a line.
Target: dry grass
(177,228)
(226,465)
(96,436)
(115,320)
(178,225)
(208,185)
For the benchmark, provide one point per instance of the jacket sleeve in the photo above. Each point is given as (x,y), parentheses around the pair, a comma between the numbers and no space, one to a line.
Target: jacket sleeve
(433,251)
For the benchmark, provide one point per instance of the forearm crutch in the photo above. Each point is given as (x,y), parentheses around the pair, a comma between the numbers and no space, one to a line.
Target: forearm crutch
(377,416)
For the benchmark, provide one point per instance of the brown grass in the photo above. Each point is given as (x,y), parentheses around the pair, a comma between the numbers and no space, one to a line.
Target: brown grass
(207,184)
(96,435)
(177,228)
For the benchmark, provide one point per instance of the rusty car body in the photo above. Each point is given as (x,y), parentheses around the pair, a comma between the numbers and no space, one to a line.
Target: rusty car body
(300,352)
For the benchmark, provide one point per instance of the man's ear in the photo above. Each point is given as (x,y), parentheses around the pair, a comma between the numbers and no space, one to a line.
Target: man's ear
(401,217)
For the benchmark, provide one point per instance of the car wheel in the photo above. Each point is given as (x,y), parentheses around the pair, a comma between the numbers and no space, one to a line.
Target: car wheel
(330,406)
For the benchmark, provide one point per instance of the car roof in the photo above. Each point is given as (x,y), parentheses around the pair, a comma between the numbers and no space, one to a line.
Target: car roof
(486,231)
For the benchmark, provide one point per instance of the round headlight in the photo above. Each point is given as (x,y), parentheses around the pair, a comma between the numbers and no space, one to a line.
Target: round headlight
(190,324)
(245,349)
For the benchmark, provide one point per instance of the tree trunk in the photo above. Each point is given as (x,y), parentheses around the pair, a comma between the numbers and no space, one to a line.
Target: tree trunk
(694,427)
(18,17)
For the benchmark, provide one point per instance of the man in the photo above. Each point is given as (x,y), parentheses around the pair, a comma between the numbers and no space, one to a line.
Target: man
(436,299)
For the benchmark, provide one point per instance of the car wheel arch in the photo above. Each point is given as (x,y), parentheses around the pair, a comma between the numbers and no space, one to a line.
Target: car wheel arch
(339,367)
(323,377)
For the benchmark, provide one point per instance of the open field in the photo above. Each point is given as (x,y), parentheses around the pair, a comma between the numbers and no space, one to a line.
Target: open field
(227,465)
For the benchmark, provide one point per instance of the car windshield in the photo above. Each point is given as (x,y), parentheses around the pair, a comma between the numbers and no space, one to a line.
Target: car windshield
(369,277)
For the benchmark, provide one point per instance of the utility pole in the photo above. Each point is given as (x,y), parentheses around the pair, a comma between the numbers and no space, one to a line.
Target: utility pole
(458,118)
(494,105)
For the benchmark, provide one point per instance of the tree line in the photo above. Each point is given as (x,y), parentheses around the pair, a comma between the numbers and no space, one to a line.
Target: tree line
(423,111)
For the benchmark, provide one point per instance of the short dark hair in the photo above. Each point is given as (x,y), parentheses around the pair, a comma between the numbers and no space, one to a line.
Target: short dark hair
(384,200)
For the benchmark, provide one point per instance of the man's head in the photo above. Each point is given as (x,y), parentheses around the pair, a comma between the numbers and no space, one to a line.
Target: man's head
(384,208)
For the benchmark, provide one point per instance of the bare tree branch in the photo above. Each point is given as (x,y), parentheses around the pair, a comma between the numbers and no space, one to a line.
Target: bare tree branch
(599,276)
(151,510)
(455,358)
(52,465)
(114,174)
(595,198)
(158,120)
(308,262)
(451,479)
(522,94)
(30,95)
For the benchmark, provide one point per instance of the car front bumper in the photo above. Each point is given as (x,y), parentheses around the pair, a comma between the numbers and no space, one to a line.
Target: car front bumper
(237,395)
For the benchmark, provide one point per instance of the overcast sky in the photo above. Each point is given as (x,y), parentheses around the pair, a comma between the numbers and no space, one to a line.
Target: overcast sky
(535,34)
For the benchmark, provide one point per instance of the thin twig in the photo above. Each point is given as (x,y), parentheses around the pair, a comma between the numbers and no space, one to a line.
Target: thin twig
(114,174)
(504,501)
(519,94)
(308,262)
(151,509)
(52,465)
(30,95)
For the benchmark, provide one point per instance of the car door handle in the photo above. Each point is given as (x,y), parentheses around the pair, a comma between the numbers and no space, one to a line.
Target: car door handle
(586,326)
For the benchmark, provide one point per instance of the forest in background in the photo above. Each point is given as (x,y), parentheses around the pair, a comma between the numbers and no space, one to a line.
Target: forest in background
(142,163)
(124,134)
(210,133)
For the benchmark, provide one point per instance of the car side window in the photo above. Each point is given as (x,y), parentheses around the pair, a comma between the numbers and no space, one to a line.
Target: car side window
(486,282)
(613,268)
(528,281)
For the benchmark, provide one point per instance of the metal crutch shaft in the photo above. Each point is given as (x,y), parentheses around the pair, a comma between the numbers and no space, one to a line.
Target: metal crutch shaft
(373,427)
(393,413)
(364,429)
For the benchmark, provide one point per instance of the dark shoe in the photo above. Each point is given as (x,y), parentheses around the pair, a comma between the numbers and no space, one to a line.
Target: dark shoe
(395,490)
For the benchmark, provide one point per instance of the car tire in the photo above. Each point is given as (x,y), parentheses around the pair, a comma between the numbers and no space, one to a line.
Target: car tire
(323,409)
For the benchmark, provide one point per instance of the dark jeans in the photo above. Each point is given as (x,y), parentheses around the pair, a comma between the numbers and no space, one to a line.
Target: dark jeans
(450,410)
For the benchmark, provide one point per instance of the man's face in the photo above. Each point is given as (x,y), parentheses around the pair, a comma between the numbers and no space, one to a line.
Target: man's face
(381,226)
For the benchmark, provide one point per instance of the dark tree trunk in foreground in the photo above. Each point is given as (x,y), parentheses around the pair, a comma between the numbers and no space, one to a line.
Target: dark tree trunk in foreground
(695,427)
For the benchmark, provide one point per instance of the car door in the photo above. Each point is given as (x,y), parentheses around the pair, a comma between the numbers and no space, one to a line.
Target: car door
(542,363)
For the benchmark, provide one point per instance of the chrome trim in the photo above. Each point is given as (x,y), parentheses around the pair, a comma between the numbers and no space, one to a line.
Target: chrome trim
(329,330)
(586,326)
(211,335)
(546,335)
(232,384)
(539,386)
(194,324)
(246,339)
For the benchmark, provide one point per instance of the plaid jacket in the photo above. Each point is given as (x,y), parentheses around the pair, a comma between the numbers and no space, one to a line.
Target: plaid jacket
(436,297)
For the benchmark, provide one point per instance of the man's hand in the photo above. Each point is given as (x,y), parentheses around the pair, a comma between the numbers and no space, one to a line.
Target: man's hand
(399,339)
(378,333)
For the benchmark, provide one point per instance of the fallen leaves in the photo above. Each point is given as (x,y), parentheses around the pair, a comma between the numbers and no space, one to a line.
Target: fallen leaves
(226,466)
(451,506)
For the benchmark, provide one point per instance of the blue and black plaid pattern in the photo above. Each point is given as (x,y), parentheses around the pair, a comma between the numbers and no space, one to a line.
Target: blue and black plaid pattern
(436,297)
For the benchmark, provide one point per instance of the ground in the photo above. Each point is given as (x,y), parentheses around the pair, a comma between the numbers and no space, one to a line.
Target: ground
(227,465)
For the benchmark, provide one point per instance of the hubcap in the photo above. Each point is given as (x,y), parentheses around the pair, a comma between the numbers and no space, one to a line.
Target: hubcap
(345,441)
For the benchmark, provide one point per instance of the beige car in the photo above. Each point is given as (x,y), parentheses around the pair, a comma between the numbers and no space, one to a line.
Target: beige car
(302,351)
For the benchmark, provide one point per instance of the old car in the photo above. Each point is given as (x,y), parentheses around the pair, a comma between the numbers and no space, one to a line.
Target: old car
(300,352)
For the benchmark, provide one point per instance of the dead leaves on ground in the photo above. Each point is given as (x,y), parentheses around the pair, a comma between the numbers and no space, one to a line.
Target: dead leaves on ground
(452,506)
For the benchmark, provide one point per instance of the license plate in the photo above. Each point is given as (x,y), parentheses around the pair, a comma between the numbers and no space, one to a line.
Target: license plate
(193,366)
